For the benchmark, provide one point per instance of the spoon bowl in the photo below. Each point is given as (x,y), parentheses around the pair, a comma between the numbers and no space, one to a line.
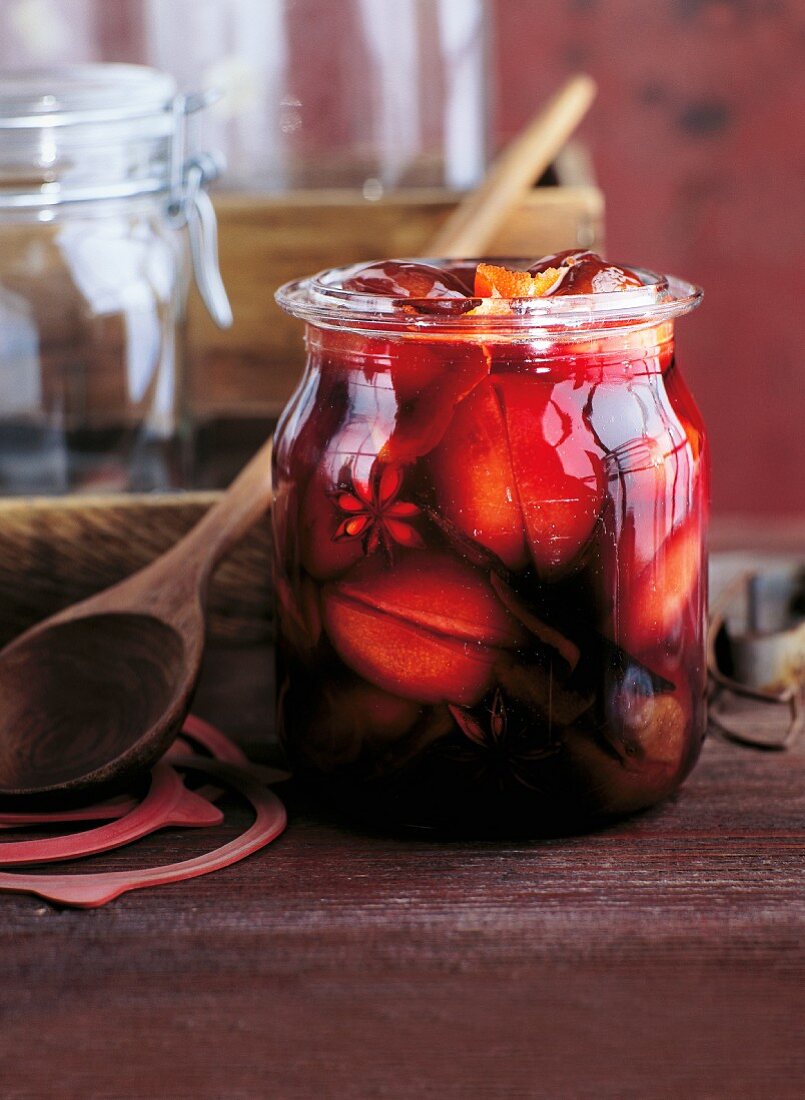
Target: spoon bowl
(99,691)
(101,682)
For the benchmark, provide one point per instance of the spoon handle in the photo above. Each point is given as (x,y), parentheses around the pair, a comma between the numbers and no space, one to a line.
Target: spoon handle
(471,228)
(185,569)
(245,501)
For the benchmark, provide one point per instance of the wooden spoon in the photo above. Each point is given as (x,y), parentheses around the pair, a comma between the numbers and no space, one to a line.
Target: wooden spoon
(475,221)
(100,690)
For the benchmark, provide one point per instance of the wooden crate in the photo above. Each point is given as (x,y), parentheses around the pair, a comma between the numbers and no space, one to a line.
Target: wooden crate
(252,368)
(56,551)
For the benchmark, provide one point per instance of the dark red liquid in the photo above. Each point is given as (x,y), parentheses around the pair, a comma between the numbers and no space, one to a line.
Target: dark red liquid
(490,577)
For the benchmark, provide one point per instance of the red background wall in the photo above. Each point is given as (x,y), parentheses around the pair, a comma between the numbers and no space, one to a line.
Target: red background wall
(698,138)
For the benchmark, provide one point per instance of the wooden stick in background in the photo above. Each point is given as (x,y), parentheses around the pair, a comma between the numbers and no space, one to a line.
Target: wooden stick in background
(473,224)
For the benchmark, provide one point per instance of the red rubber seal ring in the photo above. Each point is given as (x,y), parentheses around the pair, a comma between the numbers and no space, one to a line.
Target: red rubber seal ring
(89,891)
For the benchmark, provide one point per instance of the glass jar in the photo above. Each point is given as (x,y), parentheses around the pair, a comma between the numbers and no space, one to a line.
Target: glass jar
(95,182)
(490,556)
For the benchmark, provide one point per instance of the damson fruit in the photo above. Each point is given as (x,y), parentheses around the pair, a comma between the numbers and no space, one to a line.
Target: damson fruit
(404,279)
(585,272)
(637,764)
(519,471)
(430,628)
(354,720)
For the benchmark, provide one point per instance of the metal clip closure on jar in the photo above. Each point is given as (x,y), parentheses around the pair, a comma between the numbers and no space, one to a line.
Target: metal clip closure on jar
(101,133)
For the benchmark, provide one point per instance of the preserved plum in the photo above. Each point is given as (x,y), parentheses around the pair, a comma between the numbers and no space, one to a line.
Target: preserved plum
(584,272)
(405,279)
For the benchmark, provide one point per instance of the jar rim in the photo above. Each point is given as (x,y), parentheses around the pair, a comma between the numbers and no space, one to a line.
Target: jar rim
(79,134)
(70,95)
(321,300)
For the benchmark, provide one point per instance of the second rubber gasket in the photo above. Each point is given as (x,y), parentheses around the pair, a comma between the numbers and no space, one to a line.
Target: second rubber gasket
(91,890)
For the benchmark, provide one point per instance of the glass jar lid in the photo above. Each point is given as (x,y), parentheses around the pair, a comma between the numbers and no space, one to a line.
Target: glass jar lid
(86,132)
(90,133)
(82,94)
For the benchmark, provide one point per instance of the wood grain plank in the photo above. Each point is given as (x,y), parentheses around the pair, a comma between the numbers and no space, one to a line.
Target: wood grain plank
(56,551)
(663,956)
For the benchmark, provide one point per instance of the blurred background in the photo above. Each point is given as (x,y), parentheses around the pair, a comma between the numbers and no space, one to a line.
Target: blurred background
(695,141)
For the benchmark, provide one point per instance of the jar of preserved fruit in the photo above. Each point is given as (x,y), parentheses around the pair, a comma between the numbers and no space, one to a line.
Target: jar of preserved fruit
(491,497)
(96,180)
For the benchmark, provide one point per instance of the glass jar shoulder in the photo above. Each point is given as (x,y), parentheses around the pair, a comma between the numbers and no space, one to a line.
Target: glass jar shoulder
(625,385)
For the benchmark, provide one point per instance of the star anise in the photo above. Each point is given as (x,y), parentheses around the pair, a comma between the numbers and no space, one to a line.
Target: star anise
(373,513)
(499,750)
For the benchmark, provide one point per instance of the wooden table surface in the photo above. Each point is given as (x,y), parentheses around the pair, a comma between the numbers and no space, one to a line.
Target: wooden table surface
(664,956)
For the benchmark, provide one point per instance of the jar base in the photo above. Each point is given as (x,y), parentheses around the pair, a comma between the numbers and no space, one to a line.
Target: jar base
(452,819)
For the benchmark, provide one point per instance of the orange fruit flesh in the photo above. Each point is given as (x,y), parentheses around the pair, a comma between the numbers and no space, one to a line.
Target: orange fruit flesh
(432,630)
(500,282)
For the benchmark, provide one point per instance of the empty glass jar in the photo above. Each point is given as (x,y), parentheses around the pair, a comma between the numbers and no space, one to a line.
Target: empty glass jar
(96,182)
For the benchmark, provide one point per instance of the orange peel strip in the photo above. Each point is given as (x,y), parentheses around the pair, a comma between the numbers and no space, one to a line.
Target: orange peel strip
(497,285)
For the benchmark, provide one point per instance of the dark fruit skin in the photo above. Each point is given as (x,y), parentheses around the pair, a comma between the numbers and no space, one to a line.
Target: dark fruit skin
(588,273)
(403,279)
(639,763)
